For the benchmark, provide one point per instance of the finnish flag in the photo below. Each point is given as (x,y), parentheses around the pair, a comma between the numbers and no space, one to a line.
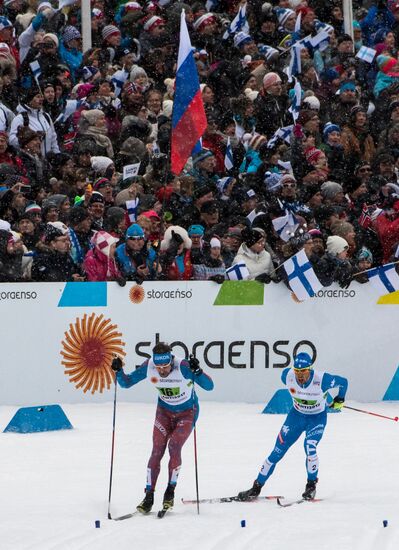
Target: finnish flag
(301,277)
(131,207)
(285,226)
(366,54)
(36,70)
(228,157)
(283,133)
(118,79)
(384,278)
(239,23)
(237,272)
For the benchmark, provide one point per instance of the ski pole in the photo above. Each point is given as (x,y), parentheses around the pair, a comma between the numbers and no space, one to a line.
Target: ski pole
(196,467)
(112,453)
(394,418)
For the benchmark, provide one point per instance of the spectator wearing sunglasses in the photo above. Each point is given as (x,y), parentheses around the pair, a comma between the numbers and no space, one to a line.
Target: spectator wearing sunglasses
(136,261)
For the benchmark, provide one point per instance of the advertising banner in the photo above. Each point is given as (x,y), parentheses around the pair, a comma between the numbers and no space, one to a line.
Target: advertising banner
(58,339)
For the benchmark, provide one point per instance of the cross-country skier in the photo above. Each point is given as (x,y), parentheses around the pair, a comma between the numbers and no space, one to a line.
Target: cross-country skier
(177,411)
(308,389)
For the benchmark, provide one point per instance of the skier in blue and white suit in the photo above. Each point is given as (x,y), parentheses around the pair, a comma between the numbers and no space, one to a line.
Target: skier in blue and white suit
(308,389)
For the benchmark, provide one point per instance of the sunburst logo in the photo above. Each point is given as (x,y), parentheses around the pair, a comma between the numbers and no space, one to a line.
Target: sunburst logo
(88,349)
(136,294)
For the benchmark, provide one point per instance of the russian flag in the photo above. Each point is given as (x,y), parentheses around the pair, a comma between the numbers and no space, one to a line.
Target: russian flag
(188,118)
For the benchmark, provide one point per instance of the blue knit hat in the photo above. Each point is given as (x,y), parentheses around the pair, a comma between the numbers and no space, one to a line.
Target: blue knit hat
(135,230)
(202,155)
(195,230)
(70,33)
(328,128)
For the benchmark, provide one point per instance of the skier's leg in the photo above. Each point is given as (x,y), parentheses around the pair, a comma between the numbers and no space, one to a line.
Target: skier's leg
(160,436)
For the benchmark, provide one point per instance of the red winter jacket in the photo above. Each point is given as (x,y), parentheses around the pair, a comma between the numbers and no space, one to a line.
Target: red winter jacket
(388,233)
(99,267)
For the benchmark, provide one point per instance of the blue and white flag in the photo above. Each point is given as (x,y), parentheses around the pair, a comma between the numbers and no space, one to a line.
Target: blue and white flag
(301,277)
(131,170)
(296,100)
(283,133)
(228,157)
(131,207)
(36,70)
(366,54)
(71,106)
(118,79)
(285,226)
(321,41)
(384,278)
(295,66)
(239,23)
(237,272)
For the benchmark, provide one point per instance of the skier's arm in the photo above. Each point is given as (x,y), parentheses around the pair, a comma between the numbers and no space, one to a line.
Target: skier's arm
(202,379)
(129,380)
(334,381)
(284,375)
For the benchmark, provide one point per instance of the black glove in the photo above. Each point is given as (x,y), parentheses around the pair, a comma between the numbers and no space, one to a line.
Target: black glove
(263,278)
(175,242)
(121,281)
(194,365)
(116,364)
(219,279)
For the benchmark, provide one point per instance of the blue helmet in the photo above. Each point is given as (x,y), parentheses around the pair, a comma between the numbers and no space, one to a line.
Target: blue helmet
(302,361)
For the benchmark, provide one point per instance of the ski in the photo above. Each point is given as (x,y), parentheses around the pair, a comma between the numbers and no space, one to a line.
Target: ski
(220,500)
(299,501)
(126,516)
(162,512)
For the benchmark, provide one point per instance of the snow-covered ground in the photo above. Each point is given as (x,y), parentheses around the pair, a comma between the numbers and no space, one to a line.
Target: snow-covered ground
(53,486)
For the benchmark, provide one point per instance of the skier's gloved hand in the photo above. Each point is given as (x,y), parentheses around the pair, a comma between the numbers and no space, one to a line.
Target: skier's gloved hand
(194,365)
(338,403)
(116,364)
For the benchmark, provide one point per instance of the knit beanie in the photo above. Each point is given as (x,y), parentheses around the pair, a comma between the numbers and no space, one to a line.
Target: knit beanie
(53,37)
(386,63)
(312,155)
(102,241)
(328,128)
(283,14)
(269,79)
(336,245)
(109,30)
(100,164)
(329,189)
(70,33)
(92,115)
(251,236)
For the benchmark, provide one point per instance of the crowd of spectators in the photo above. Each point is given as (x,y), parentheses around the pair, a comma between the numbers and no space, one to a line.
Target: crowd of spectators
(71,121)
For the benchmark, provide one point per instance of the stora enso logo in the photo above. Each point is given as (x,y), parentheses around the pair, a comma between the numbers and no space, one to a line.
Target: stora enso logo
(137,294)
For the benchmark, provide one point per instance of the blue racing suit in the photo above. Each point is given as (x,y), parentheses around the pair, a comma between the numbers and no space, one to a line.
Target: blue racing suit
(308,415)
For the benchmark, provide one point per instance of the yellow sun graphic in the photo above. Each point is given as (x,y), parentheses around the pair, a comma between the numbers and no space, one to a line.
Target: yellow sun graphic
(88,350)
(136,294)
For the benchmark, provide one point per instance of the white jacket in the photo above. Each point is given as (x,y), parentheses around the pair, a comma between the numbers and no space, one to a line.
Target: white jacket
(39,122)
(256,263)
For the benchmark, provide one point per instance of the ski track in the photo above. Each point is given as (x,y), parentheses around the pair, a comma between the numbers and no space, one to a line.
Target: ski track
(55,485)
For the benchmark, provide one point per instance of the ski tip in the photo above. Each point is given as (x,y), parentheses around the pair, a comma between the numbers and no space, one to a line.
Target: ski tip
(109,516)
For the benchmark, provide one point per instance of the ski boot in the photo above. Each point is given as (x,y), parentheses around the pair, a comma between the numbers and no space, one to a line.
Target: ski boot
(169,496)
(147,503)
(252,493)
(310,489)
